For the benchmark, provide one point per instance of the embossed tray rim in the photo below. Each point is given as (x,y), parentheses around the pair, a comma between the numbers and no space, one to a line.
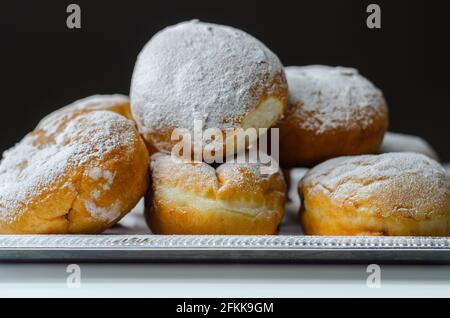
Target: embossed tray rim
(222,248)
(221,241)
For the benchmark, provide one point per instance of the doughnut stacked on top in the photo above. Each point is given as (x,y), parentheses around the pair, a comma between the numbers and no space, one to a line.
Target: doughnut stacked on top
(218,75)
(225,79)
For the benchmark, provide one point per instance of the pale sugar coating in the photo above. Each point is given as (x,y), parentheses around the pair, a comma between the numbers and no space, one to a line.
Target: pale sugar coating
(245,175)
(409,184)
(165,167)
(201,71)
(46,157)
(333,97)
(97,173)
(107,214)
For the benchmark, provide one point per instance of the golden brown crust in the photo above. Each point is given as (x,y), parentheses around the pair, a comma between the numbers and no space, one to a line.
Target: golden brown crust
(172,219)
(195,198)
(321,216)
(399,194)
(304,147)
(99,176)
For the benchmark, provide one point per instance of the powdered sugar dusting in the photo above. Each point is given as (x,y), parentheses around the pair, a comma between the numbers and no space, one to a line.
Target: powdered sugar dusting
(239,174)
(200,71)
(107,214)
(201,173)
(95,194)
(333,97)
(97,173)
(44,157)
(398,182)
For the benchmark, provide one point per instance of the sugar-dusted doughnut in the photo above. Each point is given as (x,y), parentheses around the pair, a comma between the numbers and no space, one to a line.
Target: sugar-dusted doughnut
(405,194)
(77,175)
(217,75)
(196,198)
(333,111)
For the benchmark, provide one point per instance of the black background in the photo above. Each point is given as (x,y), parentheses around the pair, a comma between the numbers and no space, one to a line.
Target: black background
(44,65)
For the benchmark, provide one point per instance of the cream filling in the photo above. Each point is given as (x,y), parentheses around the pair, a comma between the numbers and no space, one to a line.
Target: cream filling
(181,198)
(265,115)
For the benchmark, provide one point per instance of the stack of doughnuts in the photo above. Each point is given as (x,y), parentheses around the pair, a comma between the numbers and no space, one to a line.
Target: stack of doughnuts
(227,80)
(86,165)
(334,120)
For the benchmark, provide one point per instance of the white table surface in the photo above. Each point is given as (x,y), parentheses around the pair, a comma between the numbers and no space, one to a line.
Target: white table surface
(222,280)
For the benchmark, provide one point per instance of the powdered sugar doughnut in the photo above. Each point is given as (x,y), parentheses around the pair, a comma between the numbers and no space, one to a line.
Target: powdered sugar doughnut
(332,111)
(394,142)
(79,175)
(117,103)
(196,198)
(211,73)
(389,194)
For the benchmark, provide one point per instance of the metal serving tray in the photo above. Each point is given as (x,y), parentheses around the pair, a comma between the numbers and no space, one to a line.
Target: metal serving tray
(255,249)
(131,241)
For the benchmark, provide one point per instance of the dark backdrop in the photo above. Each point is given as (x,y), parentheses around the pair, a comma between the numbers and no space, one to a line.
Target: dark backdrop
(44,65)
